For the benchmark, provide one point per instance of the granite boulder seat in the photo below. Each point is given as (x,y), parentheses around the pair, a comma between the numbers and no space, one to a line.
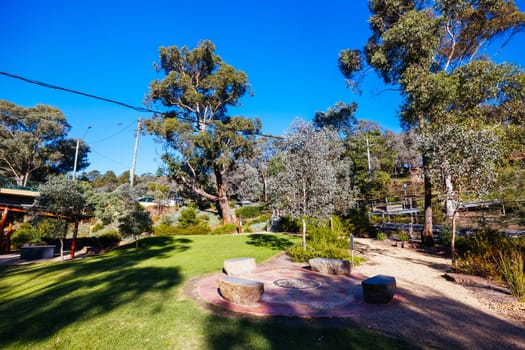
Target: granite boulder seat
(240,290)
(379,289)
(330,266)
(239,266)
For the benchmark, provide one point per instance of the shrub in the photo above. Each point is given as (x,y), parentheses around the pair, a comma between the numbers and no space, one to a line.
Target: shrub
(188,217)
(297,253)
(26,233)
(225,229)
(164,229)
(381,236)
(512,269)
(199,229)
(248,211)
(97,227)
(288,224)
(108,239)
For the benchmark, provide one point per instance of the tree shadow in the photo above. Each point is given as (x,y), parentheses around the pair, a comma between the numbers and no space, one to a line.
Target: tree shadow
(271,241)
(85,289)
(286,333)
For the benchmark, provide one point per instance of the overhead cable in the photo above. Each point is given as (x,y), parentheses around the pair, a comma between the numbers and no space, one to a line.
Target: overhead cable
(105,99)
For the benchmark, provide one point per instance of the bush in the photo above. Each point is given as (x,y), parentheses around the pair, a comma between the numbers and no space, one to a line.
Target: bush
(97,227)
(26,233)
(225,229)
(164,229)
(512,269)
(288,224)
(248,211)
(299,255)
(188,217)
(108,239)
(381,236)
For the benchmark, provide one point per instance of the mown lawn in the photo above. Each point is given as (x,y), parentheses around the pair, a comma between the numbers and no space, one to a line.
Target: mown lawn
(134,299)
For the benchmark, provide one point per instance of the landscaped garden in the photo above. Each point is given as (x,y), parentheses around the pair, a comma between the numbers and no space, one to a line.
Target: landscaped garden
(129,299)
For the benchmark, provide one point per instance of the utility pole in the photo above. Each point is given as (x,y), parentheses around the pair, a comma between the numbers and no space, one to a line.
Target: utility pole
(132,172)
(76,154)
(76,160)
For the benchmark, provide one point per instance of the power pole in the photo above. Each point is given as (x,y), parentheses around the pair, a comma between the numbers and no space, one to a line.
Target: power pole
(132,172)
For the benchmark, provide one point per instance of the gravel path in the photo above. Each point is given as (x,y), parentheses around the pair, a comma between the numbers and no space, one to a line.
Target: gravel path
(436,312)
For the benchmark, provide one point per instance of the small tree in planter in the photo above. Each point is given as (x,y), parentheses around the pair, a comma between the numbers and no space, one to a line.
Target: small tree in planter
(62,198)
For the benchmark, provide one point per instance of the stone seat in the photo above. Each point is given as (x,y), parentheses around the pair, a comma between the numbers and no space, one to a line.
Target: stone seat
(330,266)
(239,266)
(379,289)
(240,291)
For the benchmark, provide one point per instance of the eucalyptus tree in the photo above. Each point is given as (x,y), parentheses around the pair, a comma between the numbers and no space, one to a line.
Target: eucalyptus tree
(202,143)
(464,161)
(305,184)
(34,143)
(64,199)
(425,48)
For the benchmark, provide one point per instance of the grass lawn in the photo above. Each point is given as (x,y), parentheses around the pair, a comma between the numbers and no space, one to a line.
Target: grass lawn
(134,299)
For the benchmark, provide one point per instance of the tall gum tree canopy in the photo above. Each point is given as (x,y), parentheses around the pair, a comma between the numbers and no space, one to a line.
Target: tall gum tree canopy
(425,48)
(33,143)
(202,143)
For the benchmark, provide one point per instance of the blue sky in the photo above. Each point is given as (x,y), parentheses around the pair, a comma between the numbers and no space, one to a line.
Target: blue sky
(107,48)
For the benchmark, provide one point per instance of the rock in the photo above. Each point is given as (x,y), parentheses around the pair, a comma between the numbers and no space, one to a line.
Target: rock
(331,266)
(379,289)
(239,266)
(240,291)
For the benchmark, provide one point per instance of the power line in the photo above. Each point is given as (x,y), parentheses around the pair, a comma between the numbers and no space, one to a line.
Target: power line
(105,99)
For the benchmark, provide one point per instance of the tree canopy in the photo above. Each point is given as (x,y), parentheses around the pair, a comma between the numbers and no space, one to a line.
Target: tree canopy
(34,143)
(202,143)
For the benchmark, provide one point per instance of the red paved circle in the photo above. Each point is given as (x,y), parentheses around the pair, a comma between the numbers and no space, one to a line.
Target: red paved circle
(333,296)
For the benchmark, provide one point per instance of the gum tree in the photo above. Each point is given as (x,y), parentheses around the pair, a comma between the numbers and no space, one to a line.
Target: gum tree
(33,142)
(306,184)
(431,51)
(202,143)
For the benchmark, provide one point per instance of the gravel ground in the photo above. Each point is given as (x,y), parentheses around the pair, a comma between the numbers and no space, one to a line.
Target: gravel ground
(440,310)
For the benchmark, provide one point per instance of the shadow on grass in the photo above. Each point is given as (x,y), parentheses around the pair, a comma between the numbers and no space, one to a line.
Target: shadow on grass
(293,333)
(269,241)
(59,294)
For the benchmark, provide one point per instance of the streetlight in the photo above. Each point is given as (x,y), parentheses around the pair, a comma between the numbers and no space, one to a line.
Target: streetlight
(76,154)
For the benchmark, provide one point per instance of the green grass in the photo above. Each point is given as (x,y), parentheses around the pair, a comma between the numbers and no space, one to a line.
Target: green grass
(134,299)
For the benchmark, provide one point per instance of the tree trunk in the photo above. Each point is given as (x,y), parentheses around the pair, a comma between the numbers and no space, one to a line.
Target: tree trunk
(426,235)
(453,239)
(62,248)
(304,232)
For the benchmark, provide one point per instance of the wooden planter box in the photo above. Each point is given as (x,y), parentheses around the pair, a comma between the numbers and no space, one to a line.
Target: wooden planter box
(37,252)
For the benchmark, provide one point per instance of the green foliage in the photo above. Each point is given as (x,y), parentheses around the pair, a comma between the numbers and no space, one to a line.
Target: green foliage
(275,242)
(26,233)
(164,229)
(108,239)
(33,143)
(135,222)
(97,227)
(299,255)
(381,236)
(513,271)
(289,224)
(248,212)
(188,217)
(358,223)
(479,253)
(224,229)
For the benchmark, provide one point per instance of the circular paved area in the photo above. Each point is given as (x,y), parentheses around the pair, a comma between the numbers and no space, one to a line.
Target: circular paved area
(290,290)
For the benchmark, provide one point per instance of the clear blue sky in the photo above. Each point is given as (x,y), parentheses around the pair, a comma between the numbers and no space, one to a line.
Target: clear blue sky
(107,48)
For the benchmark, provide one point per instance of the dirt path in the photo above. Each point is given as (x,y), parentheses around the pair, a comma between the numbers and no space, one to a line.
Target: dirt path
(437,312)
